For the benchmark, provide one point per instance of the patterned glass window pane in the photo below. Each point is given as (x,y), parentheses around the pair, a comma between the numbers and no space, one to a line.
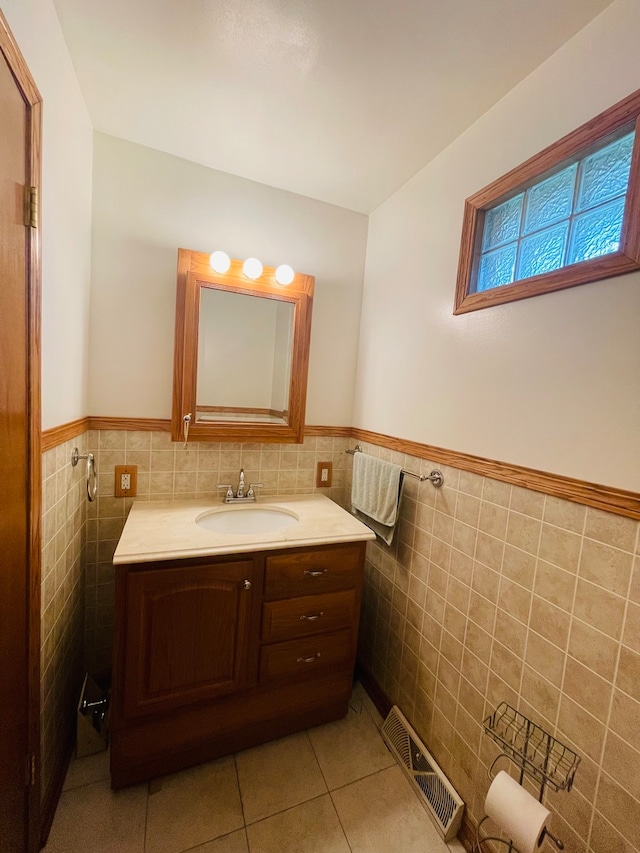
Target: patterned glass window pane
(543,251)
(605,174)
(596,232)
(502,224)
(551,200)
(497,268)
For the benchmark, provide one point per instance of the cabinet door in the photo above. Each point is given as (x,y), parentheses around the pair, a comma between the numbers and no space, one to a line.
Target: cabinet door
(188,635)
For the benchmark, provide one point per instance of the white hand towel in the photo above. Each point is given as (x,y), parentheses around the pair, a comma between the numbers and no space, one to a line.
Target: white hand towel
(375,493)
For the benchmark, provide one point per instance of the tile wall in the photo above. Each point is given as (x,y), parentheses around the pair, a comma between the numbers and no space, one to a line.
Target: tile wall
(489,593)
(167,471)
(64,505)
(495,593)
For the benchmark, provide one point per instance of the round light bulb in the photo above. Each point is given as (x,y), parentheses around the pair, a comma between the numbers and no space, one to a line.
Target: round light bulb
(284,274)
(252,268)
(220,261)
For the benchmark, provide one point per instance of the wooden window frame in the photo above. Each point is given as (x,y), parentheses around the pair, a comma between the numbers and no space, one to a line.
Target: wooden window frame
(613,123)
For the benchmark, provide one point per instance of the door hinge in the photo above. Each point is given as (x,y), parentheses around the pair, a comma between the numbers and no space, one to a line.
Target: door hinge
(31,207)
(31,769)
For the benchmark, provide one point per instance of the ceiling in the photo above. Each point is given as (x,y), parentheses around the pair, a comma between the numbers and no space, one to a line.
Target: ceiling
(339,100)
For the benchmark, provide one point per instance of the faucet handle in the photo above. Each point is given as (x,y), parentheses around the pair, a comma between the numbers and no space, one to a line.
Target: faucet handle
(229,488)
(252,486)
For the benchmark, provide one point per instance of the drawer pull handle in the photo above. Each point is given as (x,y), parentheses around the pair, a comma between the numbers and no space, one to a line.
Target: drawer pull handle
(246,584)
(312,617)
(312,659)
(315,573)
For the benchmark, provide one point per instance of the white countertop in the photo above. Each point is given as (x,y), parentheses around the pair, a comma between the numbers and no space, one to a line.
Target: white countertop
(167,530)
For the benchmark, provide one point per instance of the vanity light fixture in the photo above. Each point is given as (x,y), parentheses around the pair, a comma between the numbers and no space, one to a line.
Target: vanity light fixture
(252,268)
(284,274)
(220,261)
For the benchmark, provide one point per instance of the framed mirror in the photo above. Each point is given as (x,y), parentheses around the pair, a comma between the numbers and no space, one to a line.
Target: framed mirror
(241,353)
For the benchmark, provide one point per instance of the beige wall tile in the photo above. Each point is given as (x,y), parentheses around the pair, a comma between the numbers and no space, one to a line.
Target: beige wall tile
(612,529)
(628,678)
(565,514)
(493,519)
(482,611)
(606,839)
(634,593)
(489,551)
(523,532)
(497,492)
(542,696)
(550,622)
(605,566)
(527,502)
(464,538)
(599,608)
(625,717)
(545,658)
(510,632)
(554,584)
(478,641)
(560,547)
(506,665)
(485,581)
(580,728)
(631,635)
(620,808)
(519,566)
(586,688)
(593,649)
(622,762)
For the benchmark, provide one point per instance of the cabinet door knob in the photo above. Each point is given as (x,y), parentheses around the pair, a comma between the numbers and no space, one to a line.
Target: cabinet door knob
(311,659)
(246,584)
(315,573)
(312,616)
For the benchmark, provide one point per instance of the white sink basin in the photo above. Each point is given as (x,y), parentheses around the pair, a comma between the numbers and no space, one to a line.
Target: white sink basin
(247,519)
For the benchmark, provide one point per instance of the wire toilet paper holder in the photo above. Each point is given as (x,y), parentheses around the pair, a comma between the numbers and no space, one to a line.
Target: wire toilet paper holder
(535,753)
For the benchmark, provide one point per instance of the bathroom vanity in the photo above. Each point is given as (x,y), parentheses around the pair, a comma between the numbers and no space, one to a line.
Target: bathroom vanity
(224,640)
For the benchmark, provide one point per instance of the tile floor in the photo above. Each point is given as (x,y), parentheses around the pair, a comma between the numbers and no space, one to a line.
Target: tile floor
(332,789)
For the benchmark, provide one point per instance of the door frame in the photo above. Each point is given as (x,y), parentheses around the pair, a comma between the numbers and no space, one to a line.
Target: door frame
(33,102)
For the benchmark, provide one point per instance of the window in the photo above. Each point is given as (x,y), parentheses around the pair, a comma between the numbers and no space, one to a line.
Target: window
(568,216)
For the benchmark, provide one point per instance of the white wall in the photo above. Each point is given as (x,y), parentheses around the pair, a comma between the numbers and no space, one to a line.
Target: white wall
(66,210)
(552,382)
(145,206)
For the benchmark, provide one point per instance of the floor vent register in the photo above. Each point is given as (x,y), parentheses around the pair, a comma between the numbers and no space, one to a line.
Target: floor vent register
(439,798)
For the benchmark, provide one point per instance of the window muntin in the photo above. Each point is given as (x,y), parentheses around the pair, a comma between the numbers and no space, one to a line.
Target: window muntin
(567,216)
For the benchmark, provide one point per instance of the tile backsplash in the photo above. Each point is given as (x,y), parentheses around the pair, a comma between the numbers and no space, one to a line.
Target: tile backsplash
(489,593)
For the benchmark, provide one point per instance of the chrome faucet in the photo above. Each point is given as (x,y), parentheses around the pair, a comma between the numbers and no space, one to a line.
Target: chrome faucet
(240,494)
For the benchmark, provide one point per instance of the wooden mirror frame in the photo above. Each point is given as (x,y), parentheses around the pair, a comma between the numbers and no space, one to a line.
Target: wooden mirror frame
(195,272)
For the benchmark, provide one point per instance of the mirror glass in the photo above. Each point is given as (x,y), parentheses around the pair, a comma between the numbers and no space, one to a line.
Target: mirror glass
(241,353)
(244,358)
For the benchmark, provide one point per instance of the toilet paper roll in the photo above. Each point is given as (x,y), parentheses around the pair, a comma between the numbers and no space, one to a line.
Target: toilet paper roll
(522,818)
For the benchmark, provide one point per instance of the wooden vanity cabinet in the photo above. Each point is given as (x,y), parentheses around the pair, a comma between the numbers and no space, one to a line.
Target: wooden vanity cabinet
(214,655)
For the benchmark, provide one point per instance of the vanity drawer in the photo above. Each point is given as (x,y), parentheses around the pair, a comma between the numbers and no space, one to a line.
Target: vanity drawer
(313,571)
(309,614)
(306,656)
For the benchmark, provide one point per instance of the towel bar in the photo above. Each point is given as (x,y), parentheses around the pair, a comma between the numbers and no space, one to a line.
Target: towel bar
(435,477)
